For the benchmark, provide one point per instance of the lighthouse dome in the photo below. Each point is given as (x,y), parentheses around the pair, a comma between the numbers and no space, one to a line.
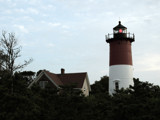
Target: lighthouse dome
(119,26)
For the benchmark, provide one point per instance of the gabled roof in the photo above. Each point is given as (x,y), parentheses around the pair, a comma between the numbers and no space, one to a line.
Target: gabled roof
(51,76)
(72,78)
(64,78)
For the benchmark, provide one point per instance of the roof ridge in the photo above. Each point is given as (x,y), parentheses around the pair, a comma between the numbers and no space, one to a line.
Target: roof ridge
(72,73)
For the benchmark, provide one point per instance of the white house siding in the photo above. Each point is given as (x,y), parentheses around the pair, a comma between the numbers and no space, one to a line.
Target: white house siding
(85,88)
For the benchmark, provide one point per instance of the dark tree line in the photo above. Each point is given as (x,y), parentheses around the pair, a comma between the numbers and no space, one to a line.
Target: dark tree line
(138,102)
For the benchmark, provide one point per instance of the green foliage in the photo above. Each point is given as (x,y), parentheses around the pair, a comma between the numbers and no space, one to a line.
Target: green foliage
(29,76)
(70,90)
(38,72)
(100,86)
(138,102)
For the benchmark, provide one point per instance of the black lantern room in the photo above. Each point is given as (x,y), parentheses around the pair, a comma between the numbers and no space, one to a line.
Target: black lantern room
(119,32)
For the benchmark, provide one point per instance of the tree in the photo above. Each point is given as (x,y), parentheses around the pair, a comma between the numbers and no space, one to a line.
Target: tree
(100,86)
(21,104)
(38,72)
(28,76)
(70,90)
(2,59)
(11,50)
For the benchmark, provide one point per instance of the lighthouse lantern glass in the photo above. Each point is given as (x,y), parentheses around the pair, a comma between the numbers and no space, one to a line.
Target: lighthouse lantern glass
(115,31)
(120,30)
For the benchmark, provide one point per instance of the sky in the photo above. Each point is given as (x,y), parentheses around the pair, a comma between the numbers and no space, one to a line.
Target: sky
(70,34)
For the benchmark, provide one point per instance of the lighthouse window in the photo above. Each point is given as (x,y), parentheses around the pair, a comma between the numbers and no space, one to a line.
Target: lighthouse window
(115,31)
(116,85)
(124,31)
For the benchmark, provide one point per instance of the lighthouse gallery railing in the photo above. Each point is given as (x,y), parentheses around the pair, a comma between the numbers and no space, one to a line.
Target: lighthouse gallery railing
(128,35)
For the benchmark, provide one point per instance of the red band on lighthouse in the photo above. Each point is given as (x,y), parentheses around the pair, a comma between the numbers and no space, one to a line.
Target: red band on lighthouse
(120,52)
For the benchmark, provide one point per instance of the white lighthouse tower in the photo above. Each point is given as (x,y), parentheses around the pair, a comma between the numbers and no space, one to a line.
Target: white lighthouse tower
(120,66)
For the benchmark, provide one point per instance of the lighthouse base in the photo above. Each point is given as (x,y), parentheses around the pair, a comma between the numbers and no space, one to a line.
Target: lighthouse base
(120,76)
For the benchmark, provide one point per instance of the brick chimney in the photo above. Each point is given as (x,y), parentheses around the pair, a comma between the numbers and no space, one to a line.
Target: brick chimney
(62,70)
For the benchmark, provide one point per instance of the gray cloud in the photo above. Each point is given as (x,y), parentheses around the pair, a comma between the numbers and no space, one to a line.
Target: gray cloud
(77,28)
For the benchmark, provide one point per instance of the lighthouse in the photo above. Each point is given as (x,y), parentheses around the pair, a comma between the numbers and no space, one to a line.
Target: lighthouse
(120,58)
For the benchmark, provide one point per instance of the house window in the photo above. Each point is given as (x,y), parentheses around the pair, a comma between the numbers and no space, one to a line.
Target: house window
(116,85)
(43,84)
(84,89)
